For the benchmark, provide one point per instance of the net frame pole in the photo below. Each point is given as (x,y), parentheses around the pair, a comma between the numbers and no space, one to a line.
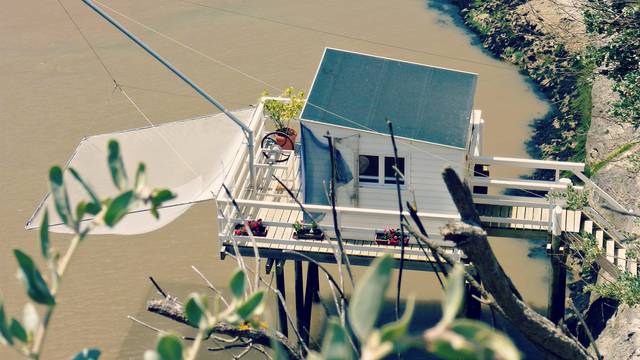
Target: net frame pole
(248,132)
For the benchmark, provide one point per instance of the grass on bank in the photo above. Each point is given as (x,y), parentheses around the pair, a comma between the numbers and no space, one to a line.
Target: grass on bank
(593,169)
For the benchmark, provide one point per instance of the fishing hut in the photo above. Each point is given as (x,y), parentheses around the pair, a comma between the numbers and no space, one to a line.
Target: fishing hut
(282,187)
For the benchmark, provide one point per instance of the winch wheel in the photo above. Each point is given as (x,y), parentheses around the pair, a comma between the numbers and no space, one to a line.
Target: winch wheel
(276,138)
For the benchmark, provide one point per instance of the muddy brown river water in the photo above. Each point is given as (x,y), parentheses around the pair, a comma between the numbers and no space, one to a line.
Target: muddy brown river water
(53,92)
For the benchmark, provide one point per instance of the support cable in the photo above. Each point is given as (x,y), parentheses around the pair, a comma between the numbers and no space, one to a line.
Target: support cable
(255,78)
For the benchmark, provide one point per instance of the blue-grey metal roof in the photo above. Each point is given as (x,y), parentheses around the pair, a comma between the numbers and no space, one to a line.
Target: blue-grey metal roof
(361,91)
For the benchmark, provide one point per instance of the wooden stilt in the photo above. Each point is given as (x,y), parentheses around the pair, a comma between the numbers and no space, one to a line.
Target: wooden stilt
(268,266)
(282,316)
(300,313)
(558,284)
(310,292)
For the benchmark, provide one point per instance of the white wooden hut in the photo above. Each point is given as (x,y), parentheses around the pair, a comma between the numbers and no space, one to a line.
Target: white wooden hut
(351,98)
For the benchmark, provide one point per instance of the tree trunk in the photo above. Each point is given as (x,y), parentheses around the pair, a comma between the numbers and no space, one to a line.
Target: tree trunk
(472,239)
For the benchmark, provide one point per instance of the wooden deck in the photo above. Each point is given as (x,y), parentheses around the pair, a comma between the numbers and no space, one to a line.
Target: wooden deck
(359,252)
(279,240)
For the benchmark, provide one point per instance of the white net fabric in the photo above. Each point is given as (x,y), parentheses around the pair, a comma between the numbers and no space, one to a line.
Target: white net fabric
(190,157)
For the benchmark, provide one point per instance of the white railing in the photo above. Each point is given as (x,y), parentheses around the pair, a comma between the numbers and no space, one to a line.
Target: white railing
(548,185)
(341,213)
(573,167)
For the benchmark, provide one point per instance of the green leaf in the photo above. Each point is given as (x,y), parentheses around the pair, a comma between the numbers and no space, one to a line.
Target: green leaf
(93,208)
(44,235)
(60,196)
(87,354)
(454,295)
(336,345)
(195,310)
(497,343)
(169,347)
(157,198)
(30,318)
(141,178)
(37,288)
(154,212)
(469,339)
(81,210)
(161,196)
(398,329)
(116,165)
(237,284)
(6,337)
(118,208)
(453,347)
(251,306)
(87,188)
(18,331)
(368,297)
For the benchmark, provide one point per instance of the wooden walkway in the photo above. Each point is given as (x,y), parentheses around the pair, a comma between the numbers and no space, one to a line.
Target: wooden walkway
(526,217)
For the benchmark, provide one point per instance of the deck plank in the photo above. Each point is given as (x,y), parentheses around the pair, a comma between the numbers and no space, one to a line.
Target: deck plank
(570,218)
(577,221)
(563,220)
(537,215)
(610,250)
(600,238)
(528,215)
(621,259)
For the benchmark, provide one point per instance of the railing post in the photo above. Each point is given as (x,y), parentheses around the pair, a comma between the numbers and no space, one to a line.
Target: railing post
(556,222)
(557,291)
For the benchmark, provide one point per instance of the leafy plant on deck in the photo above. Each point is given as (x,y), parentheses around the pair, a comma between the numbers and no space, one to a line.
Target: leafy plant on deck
(282,112)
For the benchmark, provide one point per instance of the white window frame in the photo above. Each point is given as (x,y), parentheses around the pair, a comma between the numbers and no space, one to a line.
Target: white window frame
(381,177)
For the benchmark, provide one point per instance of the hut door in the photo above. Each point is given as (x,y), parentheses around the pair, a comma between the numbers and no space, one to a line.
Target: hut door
(349,147)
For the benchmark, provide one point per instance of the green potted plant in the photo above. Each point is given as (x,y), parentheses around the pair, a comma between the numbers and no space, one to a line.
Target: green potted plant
(307,231)
(281,113)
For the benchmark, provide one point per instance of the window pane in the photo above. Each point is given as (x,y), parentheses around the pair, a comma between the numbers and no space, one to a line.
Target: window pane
(369,168)
(389,172)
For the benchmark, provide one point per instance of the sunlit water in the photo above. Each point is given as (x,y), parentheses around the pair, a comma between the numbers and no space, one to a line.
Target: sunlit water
(53,92)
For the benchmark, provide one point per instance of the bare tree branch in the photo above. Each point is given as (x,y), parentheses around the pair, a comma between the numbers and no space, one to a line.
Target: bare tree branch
(210,285)
(472,239)
(172,309)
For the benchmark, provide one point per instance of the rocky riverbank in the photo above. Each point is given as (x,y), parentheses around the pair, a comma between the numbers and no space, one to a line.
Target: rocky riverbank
(546,39)
(517,32)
